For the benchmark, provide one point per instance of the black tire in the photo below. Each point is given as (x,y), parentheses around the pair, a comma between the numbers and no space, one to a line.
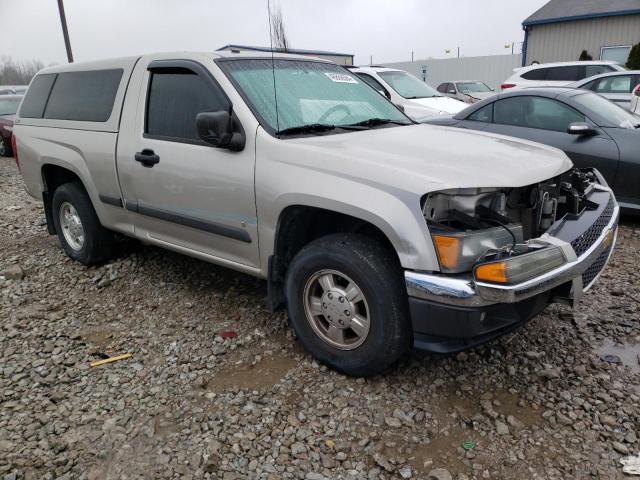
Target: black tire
(378,274)
(98,241)
(5,148)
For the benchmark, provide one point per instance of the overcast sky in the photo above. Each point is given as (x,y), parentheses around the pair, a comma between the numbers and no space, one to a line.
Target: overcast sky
(387,29)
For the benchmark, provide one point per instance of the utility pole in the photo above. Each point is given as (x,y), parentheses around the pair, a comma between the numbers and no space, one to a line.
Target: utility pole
(412,55)
(458,48)
(370,59)
(65,32)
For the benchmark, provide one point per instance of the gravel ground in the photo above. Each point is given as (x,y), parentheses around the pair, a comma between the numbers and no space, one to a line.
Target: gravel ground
(192,403)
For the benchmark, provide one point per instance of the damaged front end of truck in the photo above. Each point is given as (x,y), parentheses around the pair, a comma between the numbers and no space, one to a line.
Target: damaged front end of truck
(507,253)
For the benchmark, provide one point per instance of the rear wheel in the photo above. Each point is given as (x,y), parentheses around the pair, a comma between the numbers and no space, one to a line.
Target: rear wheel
(82,236)
(347,304)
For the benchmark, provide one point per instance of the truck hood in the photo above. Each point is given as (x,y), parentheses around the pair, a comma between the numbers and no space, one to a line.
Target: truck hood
(425,158)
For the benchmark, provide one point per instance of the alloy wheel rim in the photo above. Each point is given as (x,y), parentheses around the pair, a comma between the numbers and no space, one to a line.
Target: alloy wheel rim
(337,309)
(71,225)
(3,147)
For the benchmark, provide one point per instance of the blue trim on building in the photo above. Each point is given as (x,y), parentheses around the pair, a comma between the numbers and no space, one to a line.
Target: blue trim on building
(581,17)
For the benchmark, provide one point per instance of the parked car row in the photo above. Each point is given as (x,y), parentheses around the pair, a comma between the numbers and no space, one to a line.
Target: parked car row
(416,98)
(559,74)
(376,233)
(591,130)
(468,91)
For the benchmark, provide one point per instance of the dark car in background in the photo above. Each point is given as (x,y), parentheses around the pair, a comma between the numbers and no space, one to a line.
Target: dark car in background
(591,130)
(8,107)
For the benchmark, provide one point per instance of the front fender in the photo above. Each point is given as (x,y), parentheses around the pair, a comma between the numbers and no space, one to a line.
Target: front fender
(397,213)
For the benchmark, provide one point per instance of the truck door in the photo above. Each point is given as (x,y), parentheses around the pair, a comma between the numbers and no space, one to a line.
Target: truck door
(185,194)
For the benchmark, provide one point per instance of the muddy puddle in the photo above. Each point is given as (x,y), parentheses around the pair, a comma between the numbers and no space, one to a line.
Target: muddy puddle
(266,373)
(446,446)
(97,338)
(621,354)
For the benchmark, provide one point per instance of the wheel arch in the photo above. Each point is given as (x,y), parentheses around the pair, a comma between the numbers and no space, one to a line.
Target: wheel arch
(299,224)
(52,177)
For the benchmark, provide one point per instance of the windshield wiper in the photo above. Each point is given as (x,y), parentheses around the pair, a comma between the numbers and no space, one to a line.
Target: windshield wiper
(423,96)
(374,122)
(312,127)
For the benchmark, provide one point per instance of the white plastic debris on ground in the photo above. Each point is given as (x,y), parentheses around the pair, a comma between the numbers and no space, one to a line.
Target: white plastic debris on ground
(631,464)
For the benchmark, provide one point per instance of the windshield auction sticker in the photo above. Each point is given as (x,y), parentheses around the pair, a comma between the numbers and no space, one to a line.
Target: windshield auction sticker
(340,77)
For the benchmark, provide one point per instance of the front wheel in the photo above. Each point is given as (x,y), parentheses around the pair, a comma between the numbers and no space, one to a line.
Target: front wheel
(347,303)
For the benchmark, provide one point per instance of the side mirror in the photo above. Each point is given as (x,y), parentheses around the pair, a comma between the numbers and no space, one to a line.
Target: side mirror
(451,92)
(581,128)
(220,129)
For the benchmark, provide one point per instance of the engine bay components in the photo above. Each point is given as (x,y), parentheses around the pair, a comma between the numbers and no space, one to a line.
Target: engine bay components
(475,225)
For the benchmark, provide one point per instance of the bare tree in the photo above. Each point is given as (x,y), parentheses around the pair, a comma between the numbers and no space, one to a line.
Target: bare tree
(18,73)
(278,34)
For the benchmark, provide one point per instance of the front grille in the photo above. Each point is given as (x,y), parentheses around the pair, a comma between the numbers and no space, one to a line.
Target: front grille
(592,272)
(584,241)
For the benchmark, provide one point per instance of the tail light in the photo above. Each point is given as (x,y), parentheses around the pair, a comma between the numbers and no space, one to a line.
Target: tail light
(636,91)
(504,86)
(14,149)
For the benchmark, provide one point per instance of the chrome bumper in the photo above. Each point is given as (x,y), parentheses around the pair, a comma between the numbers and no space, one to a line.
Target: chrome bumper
(462,290)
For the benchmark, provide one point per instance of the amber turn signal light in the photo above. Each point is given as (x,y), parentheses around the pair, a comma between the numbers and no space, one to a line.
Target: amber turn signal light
(448,249)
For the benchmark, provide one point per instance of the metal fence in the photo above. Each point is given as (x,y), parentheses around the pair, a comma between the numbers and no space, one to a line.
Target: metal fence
(492,69)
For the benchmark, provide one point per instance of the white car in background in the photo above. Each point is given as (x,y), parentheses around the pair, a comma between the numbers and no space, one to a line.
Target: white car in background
(468,91)
(415,97)
(635,100)
(558,74)
(616,86)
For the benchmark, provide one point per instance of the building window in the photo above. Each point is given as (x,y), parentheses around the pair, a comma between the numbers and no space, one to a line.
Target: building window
(618,54)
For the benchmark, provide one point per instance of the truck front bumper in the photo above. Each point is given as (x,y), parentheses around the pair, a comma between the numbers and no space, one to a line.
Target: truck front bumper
(453,312)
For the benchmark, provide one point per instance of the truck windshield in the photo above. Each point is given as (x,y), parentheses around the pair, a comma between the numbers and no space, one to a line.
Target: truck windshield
(9,106)
(407,85)
(312,97)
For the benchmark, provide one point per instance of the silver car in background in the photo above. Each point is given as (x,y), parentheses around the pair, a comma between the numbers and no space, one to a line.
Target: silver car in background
(468,91)
(616,86)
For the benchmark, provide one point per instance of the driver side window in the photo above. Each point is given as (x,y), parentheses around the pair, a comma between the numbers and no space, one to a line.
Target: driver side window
(372,82)
(174,99)
(536,112)
(485,114)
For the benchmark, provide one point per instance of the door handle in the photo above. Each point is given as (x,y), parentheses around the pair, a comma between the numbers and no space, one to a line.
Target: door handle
(147,158)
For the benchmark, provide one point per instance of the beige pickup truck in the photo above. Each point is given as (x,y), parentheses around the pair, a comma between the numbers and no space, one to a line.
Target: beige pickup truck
(377,234)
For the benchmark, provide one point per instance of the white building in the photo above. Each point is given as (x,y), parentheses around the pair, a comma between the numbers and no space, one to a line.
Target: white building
(562,29)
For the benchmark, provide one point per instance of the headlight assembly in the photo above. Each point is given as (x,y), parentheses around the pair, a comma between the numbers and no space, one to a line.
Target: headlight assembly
(518,269)
(459,251)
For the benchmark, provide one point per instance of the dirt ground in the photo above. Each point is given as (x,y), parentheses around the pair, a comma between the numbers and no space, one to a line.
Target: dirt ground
(557,399)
